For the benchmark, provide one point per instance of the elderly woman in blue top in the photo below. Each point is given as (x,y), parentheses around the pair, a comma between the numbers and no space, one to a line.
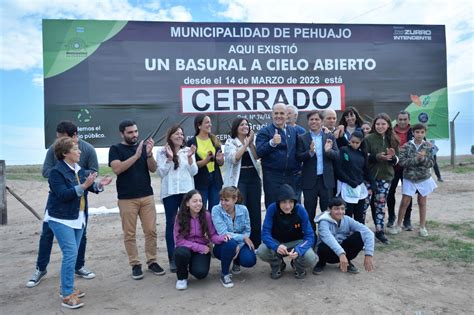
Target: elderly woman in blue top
(341,238)
(65,211)
(286,231)
(232,219)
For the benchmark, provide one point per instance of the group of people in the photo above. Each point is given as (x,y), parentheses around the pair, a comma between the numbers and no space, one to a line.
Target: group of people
(344,167)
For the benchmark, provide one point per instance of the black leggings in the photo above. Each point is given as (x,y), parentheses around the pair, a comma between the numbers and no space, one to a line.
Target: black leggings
(187,260)
(356,211)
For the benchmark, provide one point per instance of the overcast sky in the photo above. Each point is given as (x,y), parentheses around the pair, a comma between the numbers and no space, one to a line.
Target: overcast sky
(21,72)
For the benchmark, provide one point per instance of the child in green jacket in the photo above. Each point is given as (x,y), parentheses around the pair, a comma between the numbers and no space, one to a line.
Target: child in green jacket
(382,149)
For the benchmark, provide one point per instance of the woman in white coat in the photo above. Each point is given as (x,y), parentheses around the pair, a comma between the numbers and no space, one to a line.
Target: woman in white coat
(176,167)
(241,170)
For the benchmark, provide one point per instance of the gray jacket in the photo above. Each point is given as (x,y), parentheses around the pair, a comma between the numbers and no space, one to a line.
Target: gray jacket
(332,234)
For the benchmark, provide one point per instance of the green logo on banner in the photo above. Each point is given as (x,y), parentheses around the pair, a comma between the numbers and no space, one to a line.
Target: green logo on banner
(66,43)
(84,116)
(431,110)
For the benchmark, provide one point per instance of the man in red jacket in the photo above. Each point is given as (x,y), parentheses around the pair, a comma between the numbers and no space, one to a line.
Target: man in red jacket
(404,132)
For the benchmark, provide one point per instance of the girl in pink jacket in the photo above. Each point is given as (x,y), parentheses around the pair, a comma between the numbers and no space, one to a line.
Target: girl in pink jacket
(193,232)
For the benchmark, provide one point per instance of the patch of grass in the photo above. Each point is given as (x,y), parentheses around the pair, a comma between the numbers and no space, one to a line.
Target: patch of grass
(447,242)
(448,249)
(464,169)
(105,170)
(24,172)
(23,176)
(395,244)
(465,229)
(432,238)
(433,224)
(461,160)
(455,226)
(469,233)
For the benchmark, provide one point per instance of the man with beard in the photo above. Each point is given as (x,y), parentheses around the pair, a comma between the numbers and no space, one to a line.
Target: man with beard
(132,162)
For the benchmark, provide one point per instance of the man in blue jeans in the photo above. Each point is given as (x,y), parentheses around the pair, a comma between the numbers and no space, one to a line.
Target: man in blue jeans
(90,164)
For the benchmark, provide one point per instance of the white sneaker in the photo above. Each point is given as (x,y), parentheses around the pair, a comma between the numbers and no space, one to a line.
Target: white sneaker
(182,284)
(423,232)
(394,230)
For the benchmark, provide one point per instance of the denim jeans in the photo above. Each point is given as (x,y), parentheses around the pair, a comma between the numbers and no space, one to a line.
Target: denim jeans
(210,195)
(69,240)
(171,204)
(46,244)
(225,252)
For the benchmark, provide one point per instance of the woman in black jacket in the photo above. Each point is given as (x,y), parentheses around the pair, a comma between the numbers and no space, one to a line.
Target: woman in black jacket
(353,173)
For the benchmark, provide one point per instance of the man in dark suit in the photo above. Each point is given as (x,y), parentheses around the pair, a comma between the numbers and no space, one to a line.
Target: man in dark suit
(317,150)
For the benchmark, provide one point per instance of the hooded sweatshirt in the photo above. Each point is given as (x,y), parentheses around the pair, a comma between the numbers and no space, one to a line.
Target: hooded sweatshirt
(353,168)
(279,227)
(332,234)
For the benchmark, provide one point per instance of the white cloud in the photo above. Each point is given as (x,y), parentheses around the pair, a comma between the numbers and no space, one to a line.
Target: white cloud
(21,42)
(464,90)
(462,87)
(180,13)
(153,5)
(38,80)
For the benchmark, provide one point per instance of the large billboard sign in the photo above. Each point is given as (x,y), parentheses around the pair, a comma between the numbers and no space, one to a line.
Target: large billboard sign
(97,73)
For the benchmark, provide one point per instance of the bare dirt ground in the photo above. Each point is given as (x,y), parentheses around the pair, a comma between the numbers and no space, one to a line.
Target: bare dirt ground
(412,275)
